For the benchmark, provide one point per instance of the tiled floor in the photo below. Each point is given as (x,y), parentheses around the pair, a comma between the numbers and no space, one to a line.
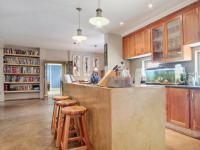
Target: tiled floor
(25,125)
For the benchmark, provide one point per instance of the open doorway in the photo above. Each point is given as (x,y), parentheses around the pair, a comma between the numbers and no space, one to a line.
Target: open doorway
(54,79)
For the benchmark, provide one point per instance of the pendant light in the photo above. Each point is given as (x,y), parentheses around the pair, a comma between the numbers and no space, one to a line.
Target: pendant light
(79,37)
(99,21)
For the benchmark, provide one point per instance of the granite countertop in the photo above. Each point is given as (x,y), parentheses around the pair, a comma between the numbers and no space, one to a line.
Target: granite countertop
(183,86)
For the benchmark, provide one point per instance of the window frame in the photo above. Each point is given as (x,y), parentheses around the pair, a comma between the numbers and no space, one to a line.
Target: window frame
(197,68)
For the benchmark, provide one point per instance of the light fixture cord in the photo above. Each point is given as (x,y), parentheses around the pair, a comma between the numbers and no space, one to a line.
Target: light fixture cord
(79,18)
(99,3)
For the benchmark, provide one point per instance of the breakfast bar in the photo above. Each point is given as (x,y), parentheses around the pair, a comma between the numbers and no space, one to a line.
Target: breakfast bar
(122,118)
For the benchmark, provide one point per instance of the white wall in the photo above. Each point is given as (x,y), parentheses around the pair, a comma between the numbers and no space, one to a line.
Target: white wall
(54,55)
(63,56)
(115,56)
(92,55)
(1,75)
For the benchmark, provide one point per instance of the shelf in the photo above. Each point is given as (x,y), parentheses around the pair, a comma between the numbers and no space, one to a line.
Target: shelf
(23,74)
(21,55)
(6,64)
(30,91)
(21,82)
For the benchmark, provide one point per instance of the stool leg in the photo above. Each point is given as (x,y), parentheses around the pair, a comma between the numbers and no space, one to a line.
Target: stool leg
(85,133)
(60,128)
(80,129)
(65,133)
(53,118)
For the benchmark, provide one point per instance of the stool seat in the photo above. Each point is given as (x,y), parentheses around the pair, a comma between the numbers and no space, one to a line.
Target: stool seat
(74,110)
(65,103)
(59,98)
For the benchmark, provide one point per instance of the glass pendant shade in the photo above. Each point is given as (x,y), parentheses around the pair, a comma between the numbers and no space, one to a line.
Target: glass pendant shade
(99,21)
(79,37)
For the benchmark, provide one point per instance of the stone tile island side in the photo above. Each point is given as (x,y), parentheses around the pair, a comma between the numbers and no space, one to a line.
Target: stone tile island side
(123,118)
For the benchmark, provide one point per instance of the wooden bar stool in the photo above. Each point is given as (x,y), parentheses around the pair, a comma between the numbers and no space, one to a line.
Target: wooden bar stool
(79,114)
(58,106)
(55,111)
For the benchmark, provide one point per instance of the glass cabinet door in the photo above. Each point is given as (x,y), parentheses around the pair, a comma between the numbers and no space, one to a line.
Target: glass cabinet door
(158,43)
(174,38)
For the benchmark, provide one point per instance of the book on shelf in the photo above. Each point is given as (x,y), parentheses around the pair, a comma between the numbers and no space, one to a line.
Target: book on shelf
(17,78)
(29,52)
(21,69)
(21,87)
(20,60)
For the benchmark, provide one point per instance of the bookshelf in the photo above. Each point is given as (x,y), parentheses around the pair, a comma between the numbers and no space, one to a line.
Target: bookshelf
(21,70)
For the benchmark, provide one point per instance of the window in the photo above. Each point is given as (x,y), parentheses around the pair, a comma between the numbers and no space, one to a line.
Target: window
(197,62)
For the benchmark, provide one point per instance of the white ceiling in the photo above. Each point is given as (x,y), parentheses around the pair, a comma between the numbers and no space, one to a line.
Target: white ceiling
(50,24)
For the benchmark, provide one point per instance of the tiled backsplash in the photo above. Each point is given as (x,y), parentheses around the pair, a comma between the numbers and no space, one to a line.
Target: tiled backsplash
(1,76)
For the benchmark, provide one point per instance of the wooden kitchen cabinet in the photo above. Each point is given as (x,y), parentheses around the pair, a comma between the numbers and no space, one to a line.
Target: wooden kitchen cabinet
(168,38)
(191,26)
(195,109)
(178,110)
(174,38)
(167,41)
(147,41)
(139,42)
(132,45)
(158,42)
(126,47)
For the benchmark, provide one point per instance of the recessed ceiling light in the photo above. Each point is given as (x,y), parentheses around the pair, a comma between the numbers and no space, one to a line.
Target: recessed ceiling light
(121,23)
(150,5)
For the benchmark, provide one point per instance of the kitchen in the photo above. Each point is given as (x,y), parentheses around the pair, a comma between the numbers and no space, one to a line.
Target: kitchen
(137,82)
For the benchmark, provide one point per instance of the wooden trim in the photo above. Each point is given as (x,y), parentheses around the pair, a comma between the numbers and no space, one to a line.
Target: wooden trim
(24,74)
(28,91)
(21,82)
(19,55)
(28,65)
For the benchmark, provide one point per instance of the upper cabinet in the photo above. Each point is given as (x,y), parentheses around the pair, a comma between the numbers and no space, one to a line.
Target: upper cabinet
(174,38)
(168,39)
(158,42)
(139,43)
(126,47)
(132,45)
(191,26)
(147,41)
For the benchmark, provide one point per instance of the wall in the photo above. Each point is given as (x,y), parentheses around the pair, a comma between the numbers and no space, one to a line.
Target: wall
(45,55)
(114,54)
(1,76)
(54,55)
(63,56)
(189,65)
(92,55)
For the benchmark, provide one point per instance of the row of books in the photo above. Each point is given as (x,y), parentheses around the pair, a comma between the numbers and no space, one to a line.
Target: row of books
(8,87)
(21,69)
(21,52)
(15,78)
(19,60)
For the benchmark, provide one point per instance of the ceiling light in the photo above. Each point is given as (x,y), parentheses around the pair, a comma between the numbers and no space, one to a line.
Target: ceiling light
(79,37)
(121,23)
(150,5)
(99,21)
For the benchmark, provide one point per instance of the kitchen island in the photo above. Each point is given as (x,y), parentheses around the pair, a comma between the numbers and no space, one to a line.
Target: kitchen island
(123,118)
